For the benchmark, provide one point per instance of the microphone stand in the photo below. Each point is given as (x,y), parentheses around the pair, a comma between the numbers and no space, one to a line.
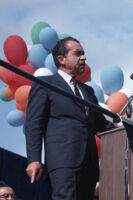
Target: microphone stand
(127,152)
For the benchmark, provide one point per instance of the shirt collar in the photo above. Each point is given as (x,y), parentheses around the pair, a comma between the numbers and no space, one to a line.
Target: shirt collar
(65,76)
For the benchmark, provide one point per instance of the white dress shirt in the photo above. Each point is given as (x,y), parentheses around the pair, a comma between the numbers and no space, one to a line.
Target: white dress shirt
(68,78)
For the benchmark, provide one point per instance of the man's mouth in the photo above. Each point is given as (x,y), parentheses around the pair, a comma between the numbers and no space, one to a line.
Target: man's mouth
(82,65)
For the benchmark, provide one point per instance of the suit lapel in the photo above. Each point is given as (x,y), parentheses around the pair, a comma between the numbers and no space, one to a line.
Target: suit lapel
(62,83)
(86,95)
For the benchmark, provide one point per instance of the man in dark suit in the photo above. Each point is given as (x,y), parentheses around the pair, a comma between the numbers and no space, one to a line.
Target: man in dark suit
(67,127)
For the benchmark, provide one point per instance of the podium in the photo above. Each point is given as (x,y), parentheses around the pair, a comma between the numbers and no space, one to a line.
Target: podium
(112,165)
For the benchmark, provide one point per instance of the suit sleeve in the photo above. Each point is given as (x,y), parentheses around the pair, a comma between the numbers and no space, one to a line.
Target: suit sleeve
(102,124)
(36,121)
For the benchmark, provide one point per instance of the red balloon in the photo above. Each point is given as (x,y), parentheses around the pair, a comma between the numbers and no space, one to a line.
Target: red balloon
(15,50)
(98,143)
(9,78)
(85,76)
(20,80)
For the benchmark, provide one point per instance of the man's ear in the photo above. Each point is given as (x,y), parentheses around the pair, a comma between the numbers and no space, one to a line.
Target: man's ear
(61,60)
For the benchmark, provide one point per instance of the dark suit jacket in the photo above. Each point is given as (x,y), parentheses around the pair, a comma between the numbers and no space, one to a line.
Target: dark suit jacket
(65,129)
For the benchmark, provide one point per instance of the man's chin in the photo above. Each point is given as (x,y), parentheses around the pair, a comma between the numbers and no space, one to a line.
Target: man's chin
(81,71)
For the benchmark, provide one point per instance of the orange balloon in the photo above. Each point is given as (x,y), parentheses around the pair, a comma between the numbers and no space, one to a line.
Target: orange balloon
(20,107)
(21,95)
(3,71)
(10,92)
(117,101)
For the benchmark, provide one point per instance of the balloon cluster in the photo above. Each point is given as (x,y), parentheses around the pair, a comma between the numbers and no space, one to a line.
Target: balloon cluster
(38,61)
(111,96)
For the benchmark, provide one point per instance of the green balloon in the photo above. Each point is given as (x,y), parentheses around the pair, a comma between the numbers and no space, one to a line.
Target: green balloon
(62,36)
(2,95)
(36,30)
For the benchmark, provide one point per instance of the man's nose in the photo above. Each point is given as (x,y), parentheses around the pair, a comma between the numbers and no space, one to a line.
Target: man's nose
(83,57)
(10,197)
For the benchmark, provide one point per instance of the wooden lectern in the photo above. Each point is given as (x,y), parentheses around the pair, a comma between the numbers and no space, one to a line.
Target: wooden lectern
(112,165)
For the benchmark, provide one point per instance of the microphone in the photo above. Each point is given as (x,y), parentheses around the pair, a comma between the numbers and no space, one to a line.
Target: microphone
(131,77)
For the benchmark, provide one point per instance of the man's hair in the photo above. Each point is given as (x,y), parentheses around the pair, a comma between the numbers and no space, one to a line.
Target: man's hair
(3,184)
(61,49)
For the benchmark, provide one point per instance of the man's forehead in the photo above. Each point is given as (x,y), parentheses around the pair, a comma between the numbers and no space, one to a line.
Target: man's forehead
(74,45)
(6,189)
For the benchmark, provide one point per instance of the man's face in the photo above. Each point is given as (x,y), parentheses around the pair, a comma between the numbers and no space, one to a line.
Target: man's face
(6,193)
(73,62)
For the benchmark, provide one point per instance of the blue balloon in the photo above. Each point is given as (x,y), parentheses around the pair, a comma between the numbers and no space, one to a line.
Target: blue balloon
(98,91)
(112,79)
(16,118)
(48,37)
(23,128)
(50,64)
(37,55)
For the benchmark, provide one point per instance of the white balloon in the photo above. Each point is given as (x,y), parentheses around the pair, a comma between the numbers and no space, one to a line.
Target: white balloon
(126,91)
(43,72)
(106,97)
(103,105)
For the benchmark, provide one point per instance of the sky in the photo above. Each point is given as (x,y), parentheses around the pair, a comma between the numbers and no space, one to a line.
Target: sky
(104,28)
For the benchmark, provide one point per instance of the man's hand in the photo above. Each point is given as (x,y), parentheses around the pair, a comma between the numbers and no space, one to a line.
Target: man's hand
(34,171)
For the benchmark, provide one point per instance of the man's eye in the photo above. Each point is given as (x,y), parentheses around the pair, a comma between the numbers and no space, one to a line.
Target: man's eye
(5,195)
(79,53)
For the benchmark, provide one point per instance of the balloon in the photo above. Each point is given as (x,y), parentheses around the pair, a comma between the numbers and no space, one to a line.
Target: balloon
(85,76)
(48,37)
(50,64)
(112,79)
(3,71)
(117,101)
(23,128)
(15,50)
(9,78)
(62,36)
(98,91)
(16,118)
(98,143)
(127,91)
(106,97)
(21,96)
(43,72)
(37,55)
(29,47)
(2,95)
(36,30)
(10,92)
(20,80)
(103,105)
(21,107)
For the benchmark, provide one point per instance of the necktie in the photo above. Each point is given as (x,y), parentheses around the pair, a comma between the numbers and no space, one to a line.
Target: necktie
(76,90)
